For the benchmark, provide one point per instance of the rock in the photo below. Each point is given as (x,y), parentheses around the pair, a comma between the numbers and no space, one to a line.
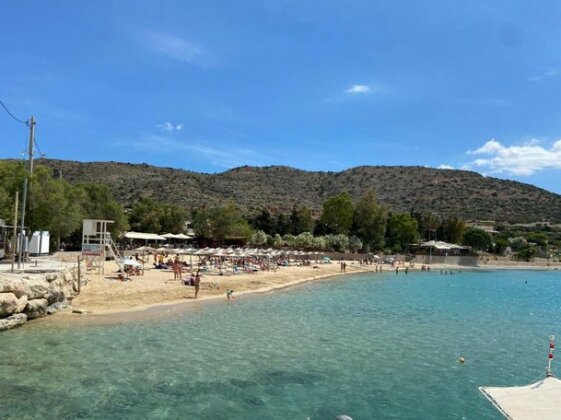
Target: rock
(12,321)
(55,307)
(50,277)
(16,286)
(22,303)
(80,311)
(36,308)
(37,289)
(8,304)
(55,296)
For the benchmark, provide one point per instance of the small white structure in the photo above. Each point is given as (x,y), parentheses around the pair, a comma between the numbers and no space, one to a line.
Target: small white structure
(39,243)
(97,243)
(538,401)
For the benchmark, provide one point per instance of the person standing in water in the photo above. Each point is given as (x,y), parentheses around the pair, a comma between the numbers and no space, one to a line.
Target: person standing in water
(197,283)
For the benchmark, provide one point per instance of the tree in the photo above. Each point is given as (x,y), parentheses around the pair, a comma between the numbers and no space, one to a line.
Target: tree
(401,232)
(301,220)
(539,238)
(259,238)
(526,253)
(337,213)
(289,240)
(223,220)
(355,244)
(478,239)
(200,220)
(428,223)
(501,244)
(172,218)
(453,229)
(338,243)
(304,240)
(264,221)
(100,204)
(146,216)
(282,225)
(369,222)
(277,241)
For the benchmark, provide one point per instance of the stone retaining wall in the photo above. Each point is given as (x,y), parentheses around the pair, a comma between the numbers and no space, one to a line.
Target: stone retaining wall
(29,296)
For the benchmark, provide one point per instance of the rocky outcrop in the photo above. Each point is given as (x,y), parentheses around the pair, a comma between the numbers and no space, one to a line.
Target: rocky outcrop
(36,308)
(55,307)
(12,321)
(35,296)
(8,304)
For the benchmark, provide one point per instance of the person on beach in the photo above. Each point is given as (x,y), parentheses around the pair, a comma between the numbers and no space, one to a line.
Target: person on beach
(197,283)
(230,294)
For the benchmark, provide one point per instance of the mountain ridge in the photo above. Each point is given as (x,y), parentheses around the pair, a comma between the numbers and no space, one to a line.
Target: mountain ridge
(468,194)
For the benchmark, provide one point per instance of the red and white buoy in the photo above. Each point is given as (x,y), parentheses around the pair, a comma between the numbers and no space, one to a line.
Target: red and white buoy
(550,356)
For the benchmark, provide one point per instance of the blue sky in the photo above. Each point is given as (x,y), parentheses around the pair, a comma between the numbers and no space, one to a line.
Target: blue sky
(324,85)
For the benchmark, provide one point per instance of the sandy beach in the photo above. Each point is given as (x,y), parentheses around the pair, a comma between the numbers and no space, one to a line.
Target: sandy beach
(104,293)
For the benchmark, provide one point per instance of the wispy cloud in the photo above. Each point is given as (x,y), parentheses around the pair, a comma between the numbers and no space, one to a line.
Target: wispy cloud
(524,159)
(218,156)
(169,126)
(359,89)
(444,166)
(547,74)
(174,47)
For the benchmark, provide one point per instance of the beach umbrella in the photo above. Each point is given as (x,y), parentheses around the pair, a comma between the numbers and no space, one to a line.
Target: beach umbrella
(145,249)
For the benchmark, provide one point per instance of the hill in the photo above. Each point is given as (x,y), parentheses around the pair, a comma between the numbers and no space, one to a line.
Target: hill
(401,188)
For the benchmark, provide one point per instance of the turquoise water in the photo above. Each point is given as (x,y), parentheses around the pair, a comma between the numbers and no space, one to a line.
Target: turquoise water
(371,346)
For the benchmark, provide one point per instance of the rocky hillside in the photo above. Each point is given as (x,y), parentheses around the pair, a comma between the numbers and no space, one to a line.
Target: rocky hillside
(400,188)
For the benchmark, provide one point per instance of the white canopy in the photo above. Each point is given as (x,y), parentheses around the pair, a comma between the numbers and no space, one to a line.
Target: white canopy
(442,245)
(145,236)
(176,236)
(540,400)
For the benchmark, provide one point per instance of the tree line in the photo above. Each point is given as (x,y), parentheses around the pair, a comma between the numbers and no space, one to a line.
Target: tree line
(342,225)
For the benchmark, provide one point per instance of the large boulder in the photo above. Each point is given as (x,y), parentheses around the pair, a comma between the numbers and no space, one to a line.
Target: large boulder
(22,303)
(54,296)
(8,304)
(55,307)
(12,321)
(37,289)
(17,286)
(36,308)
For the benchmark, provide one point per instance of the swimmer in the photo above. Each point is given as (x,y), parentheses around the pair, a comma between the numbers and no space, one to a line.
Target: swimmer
(230,294)
(461,359)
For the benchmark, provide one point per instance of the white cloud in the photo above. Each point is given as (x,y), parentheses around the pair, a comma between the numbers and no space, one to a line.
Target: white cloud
(357,89)
(169,126)
(218,156)
(525,159)
(172,46)
(444,166)
(543,75)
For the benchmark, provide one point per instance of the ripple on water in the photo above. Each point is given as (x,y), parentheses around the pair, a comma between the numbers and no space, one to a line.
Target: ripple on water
(380,346)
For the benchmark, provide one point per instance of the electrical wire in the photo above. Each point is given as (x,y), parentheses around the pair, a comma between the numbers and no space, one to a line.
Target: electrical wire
(12,115)
(41,154)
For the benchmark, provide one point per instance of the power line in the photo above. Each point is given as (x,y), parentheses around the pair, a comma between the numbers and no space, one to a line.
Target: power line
(12,115)
(41,154)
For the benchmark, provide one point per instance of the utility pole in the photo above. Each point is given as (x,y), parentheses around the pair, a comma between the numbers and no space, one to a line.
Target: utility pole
(14,237)
(25,182)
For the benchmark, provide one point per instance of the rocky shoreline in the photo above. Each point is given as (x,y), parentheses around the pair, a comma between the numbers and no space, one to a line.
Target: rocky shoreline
(25,297)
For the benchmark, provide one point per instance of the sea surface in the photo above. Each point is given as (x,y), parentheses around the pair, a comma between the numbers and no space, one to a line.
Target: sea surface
(376,346)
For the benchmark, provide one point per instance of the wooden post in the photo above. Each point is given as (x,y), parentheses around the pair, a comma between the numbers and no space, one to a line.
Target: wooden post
(79,276)
(14,238)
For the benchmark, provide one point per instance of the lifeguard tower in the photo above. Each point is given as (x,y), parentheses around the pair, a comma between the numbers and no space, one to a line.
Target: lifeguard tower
(97,244)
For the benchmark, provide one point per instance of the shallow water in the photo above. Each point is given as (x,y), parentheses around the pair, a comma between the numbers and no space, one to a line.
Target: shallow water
(376,346)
